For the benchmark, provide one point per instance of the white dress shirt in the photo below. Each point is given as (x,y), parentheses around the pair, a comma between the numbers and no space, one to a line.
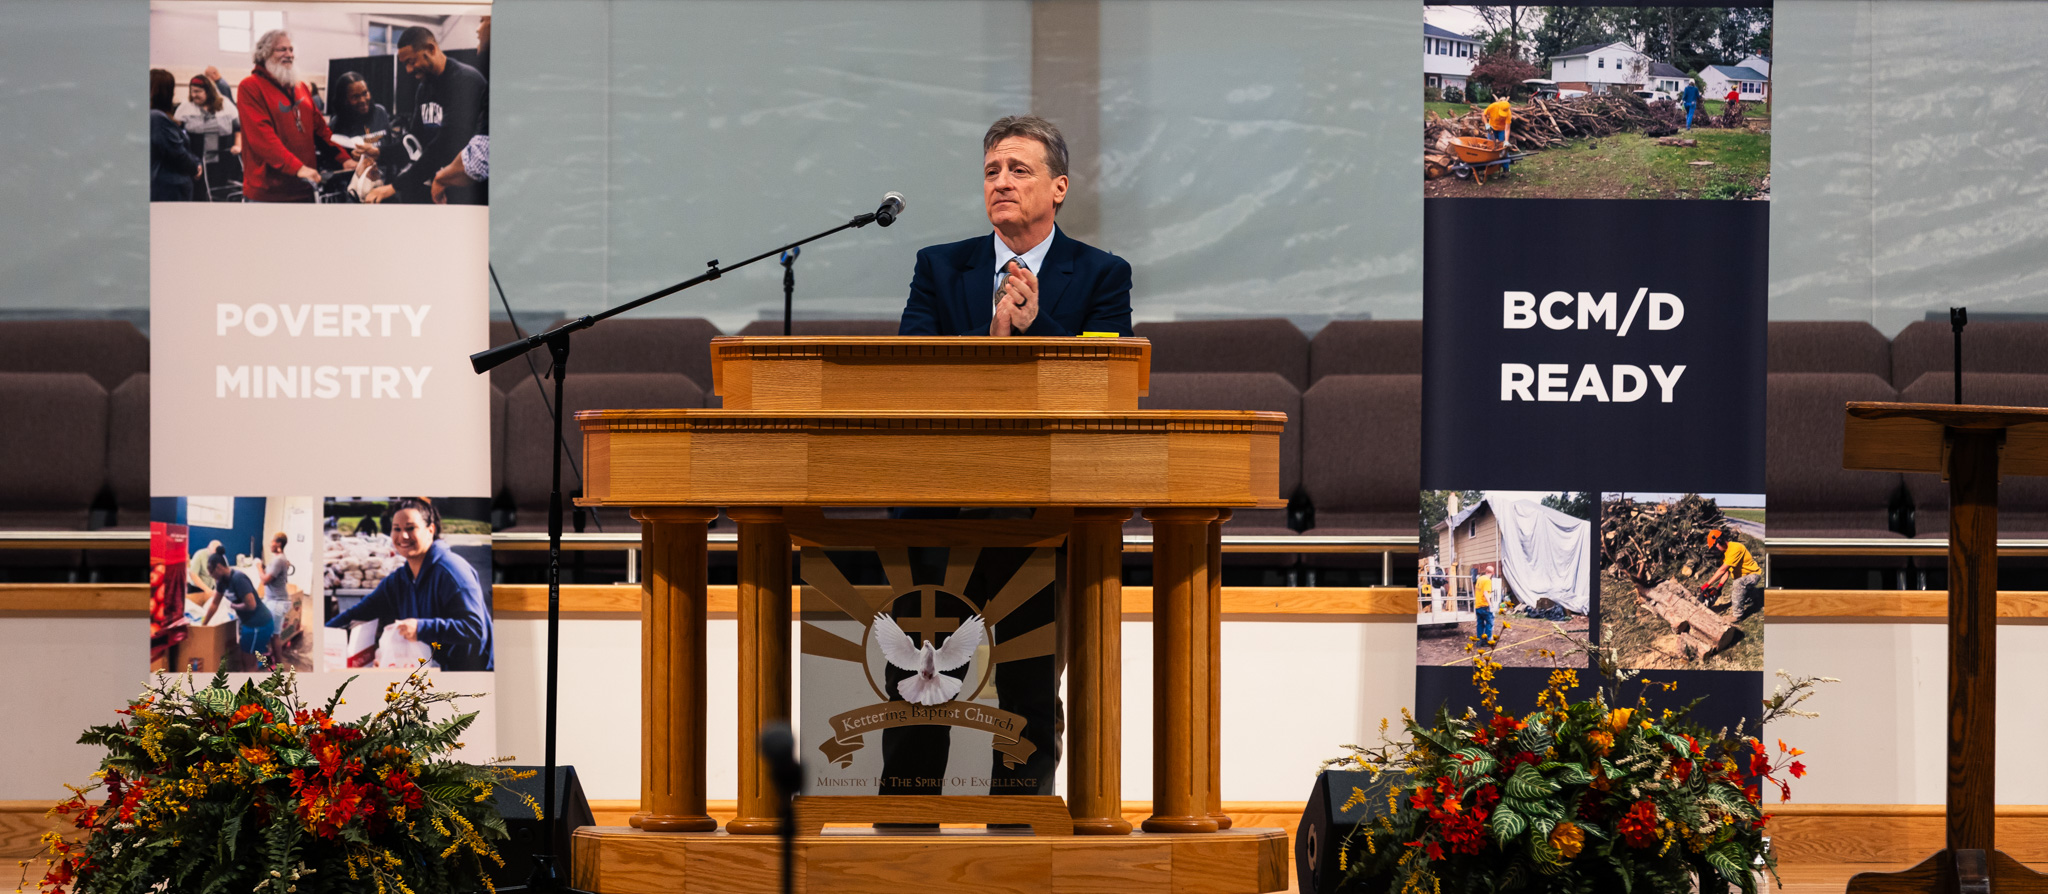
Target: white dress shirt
(1033,260)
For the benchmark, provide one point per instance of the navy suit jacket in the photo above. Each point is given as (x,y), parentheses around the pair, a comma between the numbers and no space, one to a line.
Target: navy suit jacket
(1081,289)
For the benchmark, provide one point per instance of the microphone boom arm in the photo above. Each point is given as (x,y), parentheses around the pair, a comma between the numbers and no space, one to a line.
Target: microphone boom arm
(491,358)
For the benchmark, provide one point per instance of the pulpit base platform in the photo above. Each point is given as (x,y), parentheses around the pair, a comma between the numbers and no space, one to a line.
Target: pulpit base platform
(621,860)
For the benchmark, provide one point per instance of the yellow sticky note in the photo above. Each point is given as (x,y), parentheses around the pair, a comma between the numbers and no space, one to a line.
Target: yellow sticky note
(1099,335)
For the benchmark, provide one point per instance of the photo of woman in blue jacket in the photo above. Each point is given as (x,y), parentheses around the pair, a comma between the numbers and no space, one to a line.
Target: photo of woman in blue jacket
(435,598)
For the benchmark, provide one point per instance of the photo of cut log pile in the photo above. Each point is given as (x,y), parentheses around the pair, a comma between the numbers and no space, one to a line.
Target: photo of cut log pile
(1654,557)
(1549,123)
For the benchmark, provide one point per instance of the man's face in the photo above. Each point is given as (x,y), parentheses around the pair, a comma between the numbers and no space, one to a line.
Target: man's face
(1017,184)
(359,97)
(420,62)
(282,53)
(410,534)
(483,31)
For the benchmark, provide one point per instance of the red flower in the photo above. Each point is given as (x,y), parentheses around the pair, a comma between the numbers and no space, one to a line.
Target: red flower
(1505,726)
(1487,795)
(1590,809)
(1759,764)
(1436,851)
(1423,799)
(1639,827)
(1464,833)
(1798,770)
(1682,769)
(1520,758)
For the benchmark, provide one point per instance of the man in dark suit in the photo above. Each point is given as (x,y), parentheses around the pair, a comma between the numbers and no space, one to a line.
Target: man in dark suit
(1029,278)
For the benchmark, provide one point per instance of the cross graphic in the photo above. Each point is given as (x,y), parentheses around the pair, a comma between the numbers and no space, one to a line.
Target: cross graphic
(926,622)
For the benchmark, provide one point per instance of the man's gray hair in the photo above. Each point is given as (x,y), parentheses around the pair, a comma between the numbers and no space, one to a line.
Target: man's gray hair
(1032,127)
(267,43)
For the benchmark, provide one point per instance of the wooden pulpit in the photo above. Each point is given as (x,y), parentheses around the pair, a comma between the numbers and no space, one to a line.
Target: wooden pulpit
(1047,423)
(1971,446)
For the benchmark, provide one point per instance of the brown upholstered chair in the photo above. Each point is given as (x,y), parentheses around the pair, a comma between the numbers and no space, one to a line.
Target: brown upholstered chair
(1366,347)
(1361,453)
(109,351)
(823,327)
(2022,499)
(53,463)
(1829,346)
(1928,346)
(1809,494)
(1209,346)
(128,451)
(630,344)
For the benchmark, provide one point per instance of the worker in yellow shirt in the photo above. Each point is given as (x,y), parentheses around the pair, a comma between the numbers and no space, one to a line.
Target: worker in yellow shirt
(1739,569)
(1482,605)
(1500,118)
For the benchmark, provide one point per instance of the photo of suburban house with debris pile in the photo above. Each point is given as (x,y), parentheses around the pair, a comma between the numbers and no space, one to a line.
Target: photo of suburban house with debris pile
(1597,102)
(1682,580)
(1505,570)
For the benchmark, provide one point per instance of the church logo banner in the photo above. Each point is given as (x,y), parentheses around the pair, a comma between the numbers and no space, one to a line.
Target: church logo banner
(935,674)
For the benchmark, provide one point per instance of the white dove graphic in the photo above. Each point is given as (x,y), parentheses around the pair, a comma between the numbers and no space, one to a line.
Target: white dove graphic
(930,686)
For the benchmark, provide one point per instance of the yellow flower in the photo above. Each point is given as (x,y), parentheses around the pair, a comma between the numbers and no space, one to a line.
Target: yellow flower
(1568,839)
(1602,740)
(1617,719)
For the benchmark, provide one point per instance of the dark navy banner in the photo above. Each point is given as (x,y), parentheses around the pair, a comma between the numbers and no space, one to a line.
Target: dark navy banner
(1596,256)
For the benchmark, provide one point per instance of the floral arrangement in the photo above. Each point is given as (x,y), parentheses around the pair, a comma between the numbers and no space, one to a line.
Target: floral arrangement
(239,790)
(1587,795)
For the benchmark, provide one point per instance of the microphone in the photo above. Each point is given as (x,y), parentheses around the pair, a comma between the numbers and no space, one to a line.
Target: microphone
(778,748)
(892,207)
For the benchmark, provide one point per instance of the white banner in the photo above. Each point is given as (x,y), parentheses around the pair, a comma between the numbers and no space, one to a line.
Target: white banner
(311,349)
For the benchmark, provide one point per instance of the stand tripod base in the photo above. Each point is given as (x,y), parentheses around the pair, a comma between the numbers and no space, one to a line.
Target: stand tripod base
(614,860)
(1955,872)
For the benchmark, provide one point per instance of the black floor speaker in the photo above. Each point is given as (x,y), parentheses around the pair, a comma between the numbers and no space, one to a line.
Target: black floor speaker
(572,809)
(1342,800)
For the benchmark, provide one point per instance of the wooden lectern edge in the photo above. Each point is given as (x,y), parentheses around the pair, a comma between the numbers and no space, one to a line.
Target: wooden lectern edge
(1912,438)
(1138,350)
(594,503)
(596,420)
(1948,415)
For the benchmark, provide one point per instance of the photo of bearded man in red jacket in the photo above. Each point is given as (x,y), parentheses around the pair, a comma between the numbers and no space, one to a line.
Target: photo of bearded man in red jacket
(281,127)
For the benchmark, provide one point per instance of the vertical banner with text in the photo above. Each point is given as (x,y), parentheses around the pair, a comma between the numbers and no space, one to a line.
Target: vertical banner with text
(319,247)
(1596,225)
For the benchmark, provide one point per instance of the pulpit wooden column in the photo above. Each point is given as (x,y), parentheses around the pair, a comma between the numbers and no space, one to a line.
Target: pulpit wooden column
(764,604)
(1967,445)
(1181,631)
(672,665)
(1973,636)
(1095,672)
(1216,670)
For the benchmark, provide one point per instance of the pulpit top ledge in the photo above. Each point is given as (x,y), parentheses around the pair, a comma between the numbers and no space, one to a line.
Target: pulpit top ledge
(931,421)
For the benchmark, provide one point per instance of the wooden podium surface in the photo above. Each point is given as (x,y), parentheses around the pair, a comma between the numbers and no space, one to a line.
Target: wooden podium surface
(1048,423)
(1971,446)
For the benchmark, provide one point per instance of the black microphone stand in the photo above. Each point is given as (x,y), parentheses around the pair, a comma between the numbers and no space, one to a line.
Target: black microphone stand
(1958,317)
(789,285)
(546,874)
(778,748)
